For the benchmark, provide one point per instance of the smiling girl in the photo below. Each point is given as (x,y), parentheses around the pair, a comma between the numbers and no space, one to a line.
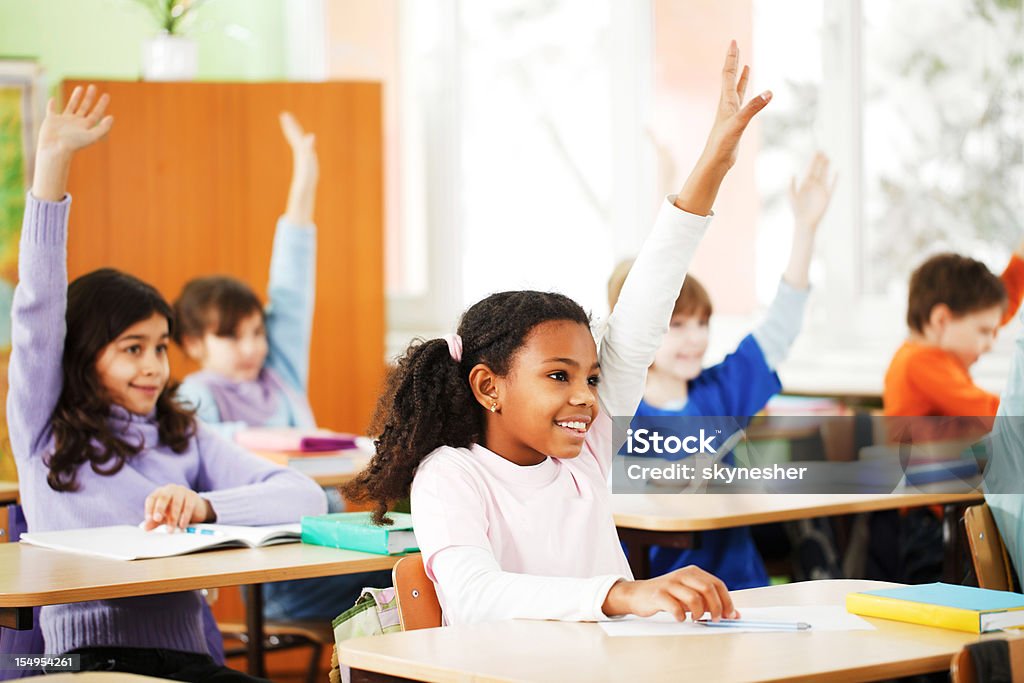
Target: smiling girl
(499,432)
(98,438)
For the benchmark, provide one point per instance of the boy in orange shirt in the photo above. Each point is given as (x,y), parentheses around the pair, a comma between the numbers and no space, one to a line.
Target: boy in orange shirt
(956,307)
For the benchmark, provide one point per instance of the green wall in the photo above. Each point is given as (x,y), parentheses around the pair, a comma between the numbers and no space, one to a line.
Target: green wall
(238,39)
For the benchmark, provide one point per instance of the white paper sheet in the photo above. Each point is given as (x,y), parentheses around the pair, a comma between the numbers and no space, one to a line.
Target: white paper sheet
(820,617)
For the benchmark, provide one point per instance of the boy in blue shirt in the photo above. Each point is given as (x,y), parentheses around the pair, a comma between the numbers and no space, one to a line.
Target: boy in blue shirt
(739,386)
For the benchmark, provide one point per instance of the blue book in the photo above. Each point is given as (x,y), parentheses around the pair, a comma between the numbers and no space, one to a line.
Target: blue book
(356,531)
(962,608)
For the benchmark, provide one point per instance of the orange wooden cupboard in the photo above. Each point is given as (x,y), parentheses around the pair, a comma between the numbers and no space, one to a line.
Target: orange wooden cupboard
(191,182)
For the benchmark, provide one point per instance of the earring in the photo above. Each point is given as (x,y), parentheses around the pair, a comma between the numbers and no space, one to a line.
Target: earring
(494,406)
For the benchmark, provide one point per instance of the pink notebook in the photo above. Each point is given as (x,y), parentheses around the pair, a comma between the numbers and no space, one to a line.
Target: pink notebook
(294,440)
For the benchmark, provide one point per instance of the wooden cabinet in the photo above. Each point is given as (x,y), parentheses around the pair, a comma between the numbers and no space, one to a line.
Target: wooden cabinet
(191,182)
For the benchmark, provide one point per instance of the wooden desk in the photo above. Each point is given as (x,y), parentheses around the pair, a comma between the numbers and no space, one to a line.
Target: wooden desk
(31,576)
(673,520)
(8,492)
(522,650)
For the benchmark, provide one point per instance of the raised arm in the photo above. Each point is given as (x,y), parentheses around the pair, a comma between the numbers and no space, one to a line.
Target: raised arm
(40,299)
(305,172)
(292,288)
(642,314)
(809,200)
(1013,280)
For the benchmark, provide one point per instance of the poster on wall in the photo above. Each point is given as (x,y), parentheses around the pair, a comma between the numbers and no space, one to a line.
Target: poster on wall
(21,110)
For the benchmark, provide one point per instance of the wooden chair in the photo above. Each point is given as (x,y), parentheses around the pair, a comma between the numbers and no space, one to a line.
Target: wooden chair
(418,606)
(961,669)
(988,554)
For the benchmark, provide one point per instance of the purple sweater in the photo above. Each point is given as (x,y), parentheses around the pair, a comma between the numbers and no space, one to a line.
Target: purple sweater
(243,489)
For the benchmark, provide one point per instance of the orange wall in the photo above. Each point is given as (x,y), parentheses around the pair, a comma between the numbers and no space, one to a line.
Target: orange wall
(691,39)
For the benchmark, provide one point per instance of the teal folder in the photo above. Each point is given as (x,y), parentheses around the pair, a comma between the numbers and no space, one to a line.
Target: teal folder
(356,531)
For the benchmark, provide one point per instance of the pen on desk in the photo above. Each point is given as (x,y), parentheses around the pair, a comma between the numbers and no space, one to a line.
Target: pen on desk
(747,623)
(203,532)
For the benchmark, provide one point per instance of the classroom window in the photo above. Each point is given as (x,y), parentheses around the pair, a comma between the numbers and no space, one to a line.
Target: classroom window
(530,170)
(943,144)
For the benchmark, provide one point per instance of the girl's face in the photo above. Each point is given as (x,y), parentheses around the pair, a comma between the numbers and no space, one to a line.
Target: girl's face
(240,356)
(548,401)
(133,369)
(681,354)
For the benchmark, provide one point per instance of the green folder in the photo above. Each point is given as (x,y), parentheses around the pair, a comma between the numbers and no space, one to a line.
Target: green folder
(356,531)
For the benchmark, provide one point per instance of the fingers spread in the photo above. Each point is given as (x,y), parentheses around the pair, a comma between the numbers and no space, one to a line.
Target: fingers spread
(74,100)
(732,59)
(741,89)
(97,112)
(86,104)
(753,106)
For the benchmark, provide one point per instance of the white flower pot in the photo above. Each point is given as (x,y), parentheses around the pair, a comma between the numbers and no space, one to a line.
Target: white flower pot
(169,58)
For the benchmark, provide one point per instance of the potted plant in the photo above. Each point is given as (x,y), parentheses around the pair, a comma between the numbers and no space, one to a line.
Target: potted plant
(170,56)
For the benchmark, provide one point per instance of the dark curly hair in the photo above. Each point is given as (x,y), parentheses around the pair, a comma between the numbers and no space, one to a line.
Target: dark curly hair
(102,305)
(962,283)
(427,401)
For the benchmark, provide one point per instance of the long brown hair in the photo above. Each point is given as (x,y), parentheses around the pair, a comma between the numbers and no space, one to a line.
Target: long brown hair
(102,305)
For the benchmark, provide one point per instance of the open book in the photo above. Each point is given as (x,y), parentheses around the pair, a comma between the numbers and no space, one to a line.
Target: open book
(127,542)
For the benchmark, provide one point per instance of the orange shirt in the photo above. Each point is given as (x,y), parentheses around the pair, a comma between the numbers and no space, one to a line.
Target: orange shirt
(926,380)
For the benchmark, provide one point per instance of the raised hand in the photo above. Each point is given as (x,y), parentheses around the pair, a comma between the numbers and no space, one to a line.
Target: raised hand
(810,198)
(722,147)
(305,171)
(809,201)
(80,124)
(63,133)
(732,116)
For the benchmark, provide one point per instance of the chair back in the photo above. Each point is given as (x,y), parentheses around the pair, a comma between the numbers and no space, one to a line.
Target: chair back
(988,554)
(963,669)
(418,606)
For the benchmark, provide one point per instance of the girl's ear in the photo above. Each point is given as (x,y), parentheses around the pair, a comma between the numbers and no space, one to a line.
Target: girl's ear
(194,348)
(484,383)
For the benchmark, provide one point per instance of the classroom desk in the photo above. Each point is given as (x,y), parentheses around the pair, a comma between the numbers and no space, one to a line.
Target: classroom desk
(334,478)
(31,576)
(523,650)
(8,492)
(674,520)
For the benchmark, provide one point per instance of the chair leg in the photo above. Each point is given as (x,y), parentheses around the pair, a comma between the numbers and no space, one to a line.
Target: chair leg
(314,662)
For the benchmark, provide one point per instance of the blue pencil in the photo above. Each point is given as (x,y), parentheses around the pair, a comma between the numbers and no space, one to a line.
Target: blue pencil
(741,623)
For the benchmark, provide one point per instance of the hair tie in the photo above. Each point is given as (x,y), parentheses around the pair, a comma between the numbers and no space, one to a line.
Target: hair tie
(454,342)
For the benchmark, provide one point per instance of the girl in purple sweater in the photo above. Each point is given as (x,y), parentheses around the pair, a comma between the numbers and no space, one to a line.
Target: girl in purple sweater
(97,437)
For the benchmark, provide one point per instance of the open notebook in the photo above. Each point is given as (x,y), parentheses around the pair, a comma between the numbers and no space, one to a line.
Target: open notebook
(132,543)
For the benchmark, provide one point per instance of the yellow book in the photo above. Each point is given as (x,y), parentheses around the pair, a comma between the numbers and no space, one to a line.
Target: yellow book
(960,608)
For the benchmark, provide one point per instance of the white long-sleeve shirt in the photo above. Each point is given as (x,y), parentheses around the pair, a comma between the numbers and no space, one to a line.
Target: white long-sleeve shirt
(504,541)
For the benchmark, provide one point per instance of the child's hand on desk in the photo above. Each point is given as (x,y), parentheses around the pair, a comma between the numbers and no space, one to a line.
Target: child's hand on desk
(689,589)
(176,506)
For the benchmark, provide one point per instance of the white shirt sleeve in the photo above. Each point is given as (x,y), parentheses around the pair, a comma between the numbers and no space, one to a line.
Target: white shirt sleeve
(641,315)
(776,334)
(474,588)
